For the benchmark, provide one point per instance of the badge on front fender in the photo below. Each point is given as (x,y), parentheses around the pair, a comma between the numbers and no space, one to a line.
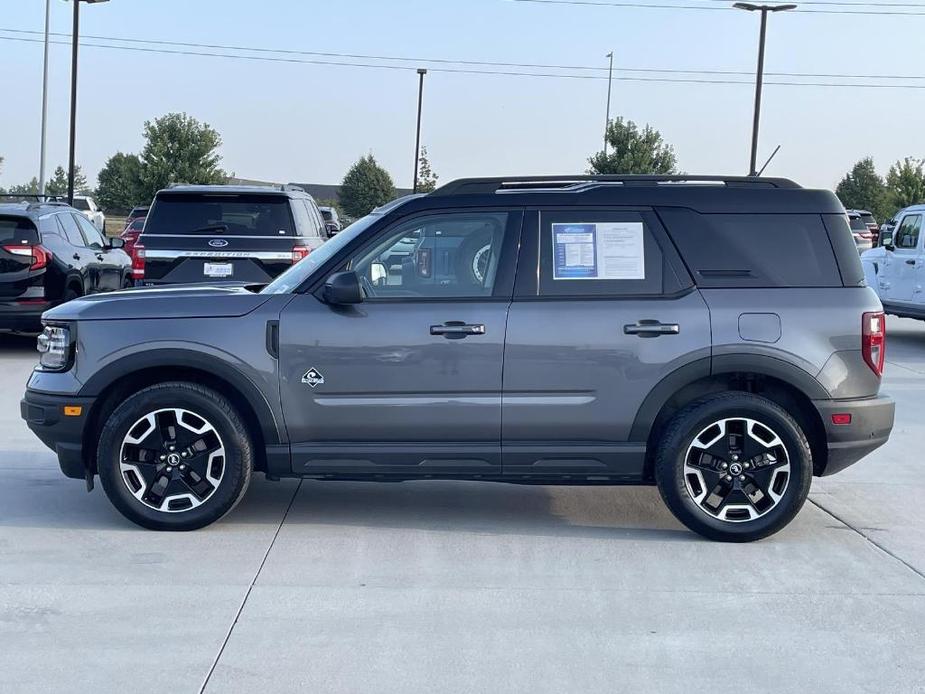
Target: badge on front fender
(313,377)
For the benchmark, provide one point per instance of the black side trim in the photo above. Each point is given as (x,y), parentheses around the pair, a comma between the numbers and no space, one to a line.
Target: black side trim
(663,392)
(272,433)
(770,366)
(273,338)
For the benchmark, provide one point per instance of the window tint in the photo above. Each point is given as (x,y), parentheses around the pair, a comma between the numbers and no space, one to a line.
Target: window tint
(449,255)
(93,237)
(754,250)
(229,214)
(907,236)
(17,230)
(857,224)
(81,204)
(316,224)
(598,253)
(71,230)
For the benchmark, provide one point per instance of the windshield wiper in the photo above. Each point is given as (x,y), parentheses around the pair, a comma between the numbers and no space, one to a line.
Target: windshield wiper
(209,227)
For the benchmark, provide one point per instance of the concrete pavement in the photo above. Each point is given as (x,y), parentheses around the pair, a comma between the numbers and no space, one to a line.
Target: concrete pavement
(453,587)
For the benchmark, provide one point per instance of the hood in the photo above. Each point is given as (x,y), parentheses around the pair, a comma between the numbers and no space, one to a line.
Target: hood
(186,301)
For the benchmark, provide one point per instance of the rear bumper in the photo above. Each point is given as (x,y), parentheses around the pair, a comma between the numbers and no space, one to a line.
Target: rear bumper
(870,427)
(44,415)
(23,317)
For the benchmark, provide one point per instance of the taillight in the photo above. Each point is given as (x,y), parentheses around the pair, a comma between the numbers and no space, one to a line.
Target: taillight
(299,252)
(39,255)
(873,340)
(138,261)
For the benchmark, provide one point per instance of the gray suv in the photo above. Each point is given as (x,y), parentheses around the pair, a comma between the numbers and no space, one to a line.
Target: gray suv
(713,336)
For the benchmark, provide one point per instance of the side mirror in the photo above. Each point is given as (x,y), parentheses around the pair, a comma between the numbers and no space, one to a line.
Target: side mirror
(342,288)
(378,274)
(886,240)
(116,242)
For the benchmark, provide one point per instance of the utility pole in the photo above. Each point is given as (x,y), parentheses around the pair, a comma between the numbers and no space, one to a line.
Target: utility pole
(75,40)
(44,101)
(759,79)
(417,137)
(609,85)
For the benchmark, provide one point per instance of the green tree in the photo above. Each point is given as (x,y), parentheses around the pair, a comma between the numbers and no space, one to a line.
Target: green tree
(427,179)
(57,184)
(634,151)
(863,188)
(366,186)
(119,183)
(30,188)
(906,183)
(179,149)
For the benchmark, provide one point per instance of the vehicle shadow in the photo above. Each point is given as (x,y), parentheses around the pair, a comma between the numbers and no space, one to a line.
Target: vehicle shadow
(12,343)
(35,495)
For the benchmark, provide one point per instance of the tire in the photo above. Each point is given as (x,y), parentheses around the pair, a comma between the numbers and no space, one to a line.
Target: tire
(742,433)
(69,295)
(175,456)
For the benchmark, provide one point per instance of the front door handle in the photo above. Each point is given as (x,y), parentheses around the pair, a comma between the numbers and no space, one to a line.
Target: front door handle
(455,330)
(910,262)
(651,328)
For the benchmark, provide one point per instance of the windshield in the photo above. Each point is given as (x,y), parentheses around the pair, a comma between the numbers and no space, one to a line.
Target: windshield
(328,217)
(857,224)
(232,214)
(301,271)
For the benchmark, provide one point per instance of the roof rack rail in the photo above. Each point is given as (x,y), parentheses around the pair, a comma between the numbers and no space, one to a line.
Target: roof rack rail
(512,184)
(38,197)
(291,188)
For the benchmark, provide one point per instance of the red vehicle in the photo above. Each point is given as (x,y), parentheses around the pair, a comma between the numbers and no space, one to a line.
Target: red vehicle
(139,212)
(130,235)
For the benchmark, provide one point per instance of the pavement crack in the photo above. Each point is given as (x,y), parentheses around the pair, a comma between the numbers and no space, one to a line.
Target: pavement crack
(868,538)
(247,594)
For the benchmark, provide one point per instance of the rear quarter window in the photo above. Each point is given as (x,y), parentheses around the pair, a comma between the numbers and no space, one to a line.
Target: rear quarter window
(754,250)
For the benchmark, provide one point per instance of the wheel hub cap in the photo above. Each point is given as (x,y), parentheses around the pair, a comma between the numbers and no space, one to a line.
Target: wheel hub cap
(736,469)
(172,460)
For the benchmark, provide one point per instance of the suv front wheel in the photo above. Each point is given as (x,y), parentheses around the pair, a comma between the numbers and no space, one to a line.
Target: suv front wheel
(734,467)
(175,456)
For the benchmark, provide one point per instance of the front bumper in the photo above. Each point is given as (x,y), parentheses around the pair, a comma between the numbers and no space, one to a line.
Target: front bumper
(64,434)
(870,427)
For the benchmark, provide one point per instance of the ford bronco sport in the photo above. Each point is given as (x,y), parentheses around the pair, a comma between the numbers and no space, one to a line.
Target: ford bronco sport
(555,330)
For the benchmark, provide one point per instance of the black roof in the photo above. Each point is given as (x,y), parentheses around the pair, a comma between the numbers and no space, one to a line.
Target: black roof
(31,210)
(710,194)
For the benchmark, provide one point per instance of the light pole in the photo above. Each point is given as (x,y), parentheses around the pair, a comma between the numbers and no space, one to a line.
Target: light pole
(609,84)
(759,81)
(75,36)
(44,101)
(417,137)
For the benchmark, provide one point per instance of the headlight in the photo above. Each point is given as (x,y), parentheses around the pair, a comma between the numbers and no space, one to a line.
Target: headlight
(54,345)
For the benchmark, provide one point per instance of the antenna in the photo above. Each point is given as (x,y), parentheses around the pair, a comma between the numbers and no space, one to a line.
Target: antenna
(776,150)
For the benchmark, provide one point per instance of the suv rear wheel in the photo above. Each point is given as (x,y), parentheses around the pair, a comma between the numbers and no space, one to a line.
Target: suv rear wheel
(175,456)
(734,467)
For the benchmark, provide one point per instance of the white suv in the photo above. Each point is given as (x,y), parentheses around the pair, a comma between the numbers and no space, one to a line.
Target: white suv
(896,268)
(89,209)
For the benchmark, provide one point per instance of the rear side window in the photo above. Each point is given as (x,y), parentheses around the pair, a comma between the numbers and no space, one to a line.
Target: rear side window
(228,214)
(754,250)
(71,230)
(17,230)
(317,224)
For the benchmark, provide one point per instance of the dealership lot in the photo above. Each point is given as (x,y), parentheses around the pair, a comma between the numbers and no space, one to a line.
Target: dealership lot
(462,586)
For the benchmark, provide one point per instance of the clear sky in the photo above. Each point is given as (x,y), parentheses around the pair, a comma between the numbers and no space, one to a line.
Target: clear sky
(308,122)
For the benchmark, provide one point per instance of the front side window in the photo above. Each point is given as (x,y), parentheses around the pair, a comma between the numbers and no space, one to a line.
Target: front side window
(439,256)
(907,236)
(90,233)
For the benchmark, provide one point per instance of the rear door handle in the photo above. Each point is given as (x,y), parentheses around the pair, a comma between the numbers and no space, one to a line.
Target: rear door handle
(651,328)
(455,330)
(910,262)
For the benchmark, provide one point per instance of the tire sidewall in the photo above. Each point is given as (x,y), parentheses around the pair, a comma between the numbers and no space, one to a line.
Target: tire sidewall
(202,402)
(690,422)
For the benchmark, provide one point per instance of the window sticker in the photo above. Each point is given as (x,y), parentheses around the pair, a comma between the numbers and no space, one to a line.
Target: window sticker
(598,251)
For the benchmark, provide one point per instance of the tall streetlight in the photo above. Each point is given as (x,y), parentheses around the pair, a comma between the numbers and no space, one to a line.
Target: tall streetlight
(417,137)
(75,35)
(609,84)
(759,81)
